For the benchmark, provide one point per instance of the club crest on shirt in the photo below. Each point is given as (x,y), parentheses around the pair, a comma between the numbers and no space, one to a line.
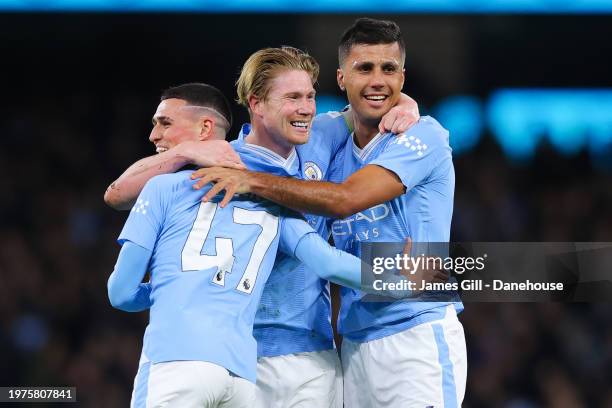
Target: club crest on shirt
(312,171)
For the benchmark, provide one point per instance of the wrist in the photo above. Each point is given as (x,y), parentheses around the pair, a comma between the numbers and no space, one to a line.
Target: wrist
(253,182)
(180,155)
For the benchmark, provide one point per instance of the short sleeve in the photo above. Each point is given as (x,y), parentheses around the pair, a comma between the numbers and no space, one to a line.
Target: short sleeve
(146,217)
(413,155)
(293,229)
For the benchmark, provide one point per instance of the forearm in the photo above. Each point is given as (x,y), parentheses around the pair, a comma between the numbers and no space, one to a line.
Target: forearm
(342,268)
(313,197)
(328,262)
(135,300)
(367,187)
(125,288)
(123,192)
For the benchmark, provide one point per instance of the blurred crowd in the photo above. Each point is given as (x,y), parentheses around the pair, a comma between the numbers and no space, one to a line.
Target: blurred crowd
(57,249)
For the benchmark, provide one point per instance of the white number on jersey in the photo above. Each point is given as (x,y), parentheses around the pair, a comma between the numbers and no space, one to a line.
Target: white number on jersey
(223,260)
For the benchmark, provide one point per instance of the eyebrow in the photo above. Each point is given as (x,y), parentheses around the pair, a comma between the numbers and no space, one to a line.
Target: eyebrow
(364,64)
(299,93)
(370,64)
(156,119)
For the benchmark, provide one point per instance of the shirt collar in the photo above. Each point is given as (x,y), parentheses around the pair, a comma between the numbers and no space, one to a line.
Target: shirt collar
(273,157)
(362,154)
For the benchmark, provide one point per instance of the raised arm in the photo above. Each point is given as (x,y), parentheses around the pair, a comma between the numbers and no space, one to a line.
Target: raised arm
(125,288)
(123,192)
(365,188)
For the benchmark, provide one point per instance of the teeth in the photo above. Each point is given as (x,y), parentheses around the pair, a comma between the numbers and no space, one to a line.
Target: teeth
(376,97)
(303,125)
(161,149)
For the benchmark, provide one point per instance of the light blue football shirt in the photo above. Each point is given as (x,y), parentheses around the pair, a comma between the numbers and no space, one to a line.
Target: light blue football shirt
(202,311)
(421,158)
(294,315)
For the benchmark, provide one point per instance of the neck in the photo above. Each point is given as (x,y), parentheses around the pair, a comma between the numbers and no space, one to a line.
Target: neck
(258,136)
(364,132)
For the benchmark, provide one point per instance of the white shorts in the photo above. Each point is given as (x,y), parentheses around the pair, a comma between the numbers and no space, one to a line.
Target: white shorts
(424,366)
(302,380)
(188,384)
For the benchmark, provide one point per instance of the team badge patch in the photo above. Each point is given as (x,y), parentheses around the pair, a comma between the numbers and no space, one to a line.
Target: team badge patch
(312,171)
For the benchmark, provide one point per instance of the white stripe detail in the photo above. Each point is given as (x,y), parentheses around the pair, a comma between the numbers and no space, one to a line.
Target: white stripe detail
(273,156)
(363,154)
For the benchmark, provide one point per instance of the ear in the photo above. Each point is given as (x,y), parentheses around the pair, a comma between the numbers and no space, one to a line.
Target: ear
(256,105)
(340,79)
(207,127)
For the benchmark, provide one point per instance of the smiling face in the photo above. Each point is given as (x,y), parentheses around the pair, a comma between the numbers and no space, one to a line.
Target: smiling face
(288,109)
(373,77)
(173,123)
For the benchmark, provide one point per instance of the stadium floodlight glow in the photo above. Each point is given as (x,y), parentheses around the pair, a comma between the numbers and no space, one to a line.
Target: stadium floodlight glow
(462,115)
(569,119)
(316,6)
(521,120)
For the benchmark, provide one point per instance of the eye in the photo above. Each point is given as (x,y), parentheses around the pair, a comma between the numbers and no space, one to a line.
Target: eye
(389,68)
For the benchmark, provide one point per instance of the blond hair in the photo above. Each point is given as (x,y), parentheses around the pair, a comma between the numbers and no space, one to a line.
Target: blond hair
(263,66)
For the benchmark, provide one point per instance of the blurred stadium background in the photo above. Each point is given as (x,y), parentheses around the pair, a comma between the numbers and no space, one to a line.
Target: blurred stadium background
(525,88)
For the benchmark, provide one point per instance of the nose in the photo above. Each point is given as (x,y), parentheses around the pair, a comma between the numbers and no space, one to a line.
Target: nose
(377,79)
(307,107)
(155,135)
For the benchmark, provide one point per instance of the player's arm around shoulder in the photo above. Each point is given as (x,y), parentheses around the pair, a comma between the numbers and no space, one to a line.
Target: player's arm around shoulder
(122,193)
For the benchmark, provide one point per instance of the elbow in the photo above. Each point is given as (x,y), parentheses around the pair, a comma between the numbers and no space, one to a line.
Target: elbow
(113,199)
(343,211)
(346,206)
(110,197)
(117,299)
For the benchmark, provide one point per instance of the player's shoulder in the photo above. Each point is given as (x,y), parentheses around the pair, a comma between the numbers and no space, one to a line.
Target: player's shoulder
(172,181)
(429,128)
(329,119)
(250,201)
(427,132)
(329,130)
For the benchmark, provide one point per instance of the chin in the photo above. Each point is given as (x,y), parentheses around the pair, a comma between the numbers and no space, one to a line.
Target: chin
(374,118)
(371,114)
(299,139)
